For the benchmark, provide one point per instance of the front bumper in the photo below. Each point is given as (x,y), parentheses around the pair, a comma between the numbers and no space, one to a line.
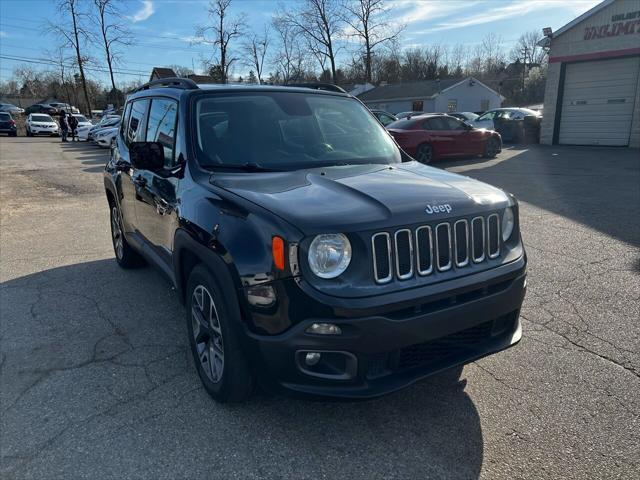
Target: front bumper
(47,131)
(378,354)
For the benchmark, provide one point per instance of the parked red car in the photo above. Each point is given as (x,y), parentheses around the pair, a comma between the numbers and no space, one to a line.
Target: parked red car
(428,137)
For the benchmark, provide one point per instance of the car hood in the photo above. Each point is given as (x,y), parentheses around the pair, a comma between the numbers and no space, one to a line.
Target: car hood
(106,131)
(361,197)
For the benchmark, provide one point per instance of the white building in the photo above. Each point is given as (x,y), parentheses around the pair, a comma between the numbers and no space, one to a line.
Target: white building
(592,95)
(449,95)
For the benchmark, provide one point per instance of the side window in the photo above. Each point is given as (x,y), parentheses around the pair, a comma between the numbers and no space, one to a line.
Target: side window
(453,124)
(486,116)
(436,123)
(135,129)
(125,120)
(161,126)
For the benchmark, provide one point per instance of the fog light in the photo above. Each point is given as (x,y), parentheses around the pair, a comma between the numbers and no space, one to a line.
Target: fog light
(312,358)
(324,329)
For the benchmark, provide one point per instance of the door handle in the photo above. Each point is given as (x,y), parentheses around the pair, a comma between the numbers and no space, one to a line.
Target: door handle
(140,181)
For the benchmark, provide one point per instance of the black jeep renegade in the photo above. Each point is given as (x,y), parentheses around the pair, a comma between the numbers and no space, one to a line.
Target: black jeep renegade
(312,254)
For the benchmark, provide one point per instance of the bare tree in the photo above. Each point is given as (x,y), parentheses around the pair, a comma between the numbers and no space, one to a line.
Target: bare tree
(181,71)
(370,23)
(61,61)
(527,48)
(222,31)
(255,51)
(320,22)
(74,35)
(288,58)
(113,31)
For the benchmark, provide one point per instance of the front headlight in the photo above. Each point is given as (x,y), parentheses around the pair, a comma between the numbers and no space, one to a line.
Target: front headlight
(508,222)
(329,255)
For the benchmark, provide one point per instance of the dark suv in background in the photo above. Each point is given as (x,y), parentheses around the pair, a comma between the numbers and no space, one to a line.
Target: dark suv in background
(8,124)
(312,254)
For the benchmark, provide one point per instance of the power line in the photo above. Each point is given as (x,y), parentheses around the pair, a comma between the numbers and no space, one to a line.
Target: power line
(53,64)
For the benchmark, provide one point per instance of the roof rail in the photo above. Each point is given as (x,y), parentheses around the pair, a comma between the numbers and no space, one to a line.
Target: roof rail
(175,82)
(319,86)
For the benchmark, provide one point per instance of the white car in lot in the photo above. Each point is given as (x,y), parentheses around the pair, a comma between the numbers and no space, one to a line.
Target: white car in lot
(86,133)
(105,136)
(82,121)
(486,119)
(41,123)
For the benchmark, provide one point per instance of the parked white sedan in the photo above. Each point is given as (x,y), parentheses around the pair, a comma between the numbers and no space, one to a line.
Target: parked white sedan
(105,136)
(486,119)
(86,133)
(82,121)
(41,123)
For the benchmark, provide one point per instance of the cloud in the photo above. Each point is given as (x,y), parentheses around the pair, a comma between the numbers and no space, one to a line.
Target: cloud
(145,11)
(3,34)
(490,14)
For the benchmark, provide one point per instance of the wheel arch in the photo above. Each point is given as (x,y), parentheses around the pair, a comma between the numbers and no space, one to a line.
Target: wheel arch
(188,252)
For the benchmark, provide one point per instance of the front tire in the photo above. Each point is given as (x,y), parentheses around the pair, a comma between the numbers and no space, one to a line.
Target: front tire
(490,148)
(214,341)
(425,154)
(126,256)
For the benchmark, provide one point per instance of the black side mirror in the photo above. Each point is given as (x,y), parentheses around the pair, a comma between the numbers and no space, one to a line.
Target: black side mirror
(146,155)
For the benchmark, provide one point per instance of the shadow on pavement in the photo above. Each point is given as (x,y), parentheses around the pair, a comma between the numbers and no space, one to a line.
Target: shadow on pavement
(596,186)
(96,368)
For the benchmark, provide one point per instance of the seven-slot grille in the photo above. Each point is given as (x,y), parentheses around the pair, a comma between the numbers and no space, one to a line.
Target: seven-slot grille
(426,249)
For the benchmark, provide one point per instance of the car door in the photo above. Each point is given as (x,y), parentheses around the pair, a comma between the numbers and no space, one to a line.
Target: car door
(441,138)
(459,138)
(132,129)
(485,120)
(156,201)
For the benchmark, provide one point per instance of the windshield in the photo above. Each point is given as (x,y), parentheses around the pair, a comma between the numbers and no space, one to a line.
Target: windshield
(41,118)
(81,118)
(288,131)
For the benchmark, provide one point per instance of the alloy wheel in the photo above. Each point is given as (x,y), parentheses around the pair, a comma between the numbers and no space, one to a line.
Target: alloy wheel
(116,233)
(424,154)
(207,333)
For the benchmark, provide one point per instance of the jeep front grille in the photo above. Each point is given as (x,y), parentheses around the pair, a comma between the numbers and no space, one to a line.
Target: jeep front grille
(428,249)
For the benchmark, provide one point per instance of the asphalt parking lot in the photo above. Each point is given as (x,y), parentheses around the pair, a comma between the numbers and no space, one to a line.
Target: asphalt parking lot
(96,380)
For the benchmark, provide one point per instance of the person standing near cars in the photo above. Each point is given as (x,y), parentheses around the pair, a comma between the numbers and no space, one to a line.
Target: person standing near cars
(73,127)
(64,125)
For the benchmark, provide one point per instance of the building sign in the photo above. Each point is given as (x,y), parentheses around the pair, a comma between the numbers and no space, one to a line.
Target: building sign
(621,24)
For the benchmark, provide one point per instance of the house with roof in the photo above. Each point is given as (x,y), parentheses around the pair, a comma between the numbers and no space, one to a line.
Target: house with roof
(161,72)
(447,95)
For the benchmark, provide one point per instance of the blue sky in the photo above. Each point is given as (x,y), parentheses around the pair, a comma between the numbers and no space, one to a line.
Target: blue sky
(163,28)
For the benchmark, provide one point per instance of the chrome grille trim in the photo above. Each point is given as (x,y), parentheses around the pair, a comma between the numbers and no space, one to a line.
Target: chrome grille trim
(443,268)
(407,249)
(465,262)
(418,248)
(497,233)
(473,240)
(409,274)
(388,278)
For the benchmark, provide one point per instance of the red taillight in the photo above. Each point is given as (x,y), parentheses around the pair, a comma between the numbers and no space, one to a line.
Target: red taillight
(12,122)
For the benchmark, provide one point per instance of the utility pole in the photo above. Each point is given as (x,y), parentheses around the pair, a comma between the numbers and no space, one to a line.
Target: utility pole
(524,68)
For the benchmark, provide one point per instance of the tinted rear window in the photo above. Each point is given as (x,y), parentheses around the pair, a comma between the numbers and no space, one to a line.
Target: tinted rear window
(402,124)
(4,116)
